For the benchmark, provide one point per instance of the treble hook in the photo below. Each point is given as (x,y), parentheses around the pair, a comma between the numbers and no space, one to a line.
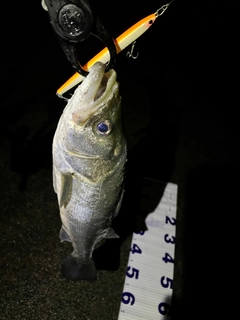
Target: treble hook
(130,53)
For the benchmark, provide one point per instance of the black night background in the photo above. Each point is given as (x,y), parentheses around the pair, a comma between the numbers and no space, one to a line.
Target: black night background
(180,113)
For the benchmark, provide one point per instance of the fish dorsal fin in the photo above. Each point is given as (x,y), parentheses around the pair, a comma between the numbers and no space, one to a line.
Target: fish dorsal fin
(65,189)
(64,236)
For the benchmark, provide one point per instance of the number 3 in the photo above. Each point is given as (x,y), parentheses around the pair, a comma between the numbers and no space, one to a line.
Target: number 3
(168,240)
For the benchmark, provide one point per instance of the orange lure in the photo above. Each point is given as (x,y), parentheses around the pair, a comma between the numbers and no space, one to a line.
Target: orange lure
(124,40)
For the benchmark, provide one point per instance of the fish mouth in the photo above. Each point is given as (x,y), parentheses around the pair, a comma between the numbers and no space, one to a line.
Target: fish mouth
(95,90)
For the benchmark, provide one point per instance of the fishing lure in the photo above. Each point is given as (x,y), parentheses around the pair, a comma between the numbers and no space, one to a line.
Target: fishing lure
(121,42)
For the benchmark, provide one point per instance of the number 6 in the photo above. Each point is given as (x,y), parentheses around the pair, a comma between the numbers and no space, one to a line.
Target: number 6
(127,297)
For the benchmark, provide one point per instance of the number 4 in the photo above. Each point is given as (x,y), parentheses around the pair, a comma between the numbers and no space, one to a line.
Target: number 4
(135,249)
(168,258)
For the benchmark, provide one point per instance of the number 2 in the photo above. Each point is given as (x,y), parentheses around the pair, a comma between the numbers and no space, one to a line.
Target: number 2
(172,220)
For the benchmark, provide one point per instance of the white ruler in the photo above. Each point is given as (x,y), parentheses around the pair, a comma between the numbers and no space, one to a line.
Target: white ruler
(147,290)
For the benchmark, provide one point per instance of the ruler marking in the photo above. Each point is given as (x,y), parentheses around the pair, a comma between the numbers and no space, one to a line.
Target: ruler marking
(144,290)
(152,259)
(147,289)
(137,315)
(154,245)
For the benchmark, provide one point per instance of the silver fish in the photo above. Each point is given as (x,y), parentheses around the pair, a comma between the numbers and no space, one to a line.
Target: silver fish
(89,157)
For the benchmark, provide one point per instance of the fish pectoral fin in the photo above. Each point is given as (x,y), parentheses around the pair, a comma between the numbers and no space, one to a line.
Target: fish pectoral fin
(64,236)
(54,180)
(65,189)
(112,234)
(119,204)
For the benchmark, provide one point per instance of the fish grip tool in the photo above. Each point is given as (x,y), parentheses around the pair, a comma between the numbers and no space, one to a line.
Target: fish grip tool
(73,21)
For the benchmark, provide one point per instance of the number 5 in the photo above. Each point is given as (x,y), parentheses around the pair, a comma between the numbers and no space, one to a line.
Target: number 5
(134,273)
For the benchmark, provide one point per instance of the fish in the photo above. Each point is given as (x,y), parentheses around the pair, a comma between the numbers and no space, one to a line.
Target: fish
(89,152)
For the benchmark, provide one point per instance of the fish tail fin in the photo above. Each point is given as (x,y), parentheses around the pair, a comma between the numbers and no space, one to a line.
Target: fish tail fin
(73,270)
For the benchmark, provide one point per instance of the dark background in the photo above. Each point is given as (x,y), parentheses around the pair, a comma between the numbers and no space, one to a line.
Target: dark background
(180,113)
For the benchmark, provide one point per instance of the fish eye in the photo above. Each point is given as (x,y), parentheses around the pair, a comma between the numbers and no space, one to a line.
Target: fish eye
(104,128)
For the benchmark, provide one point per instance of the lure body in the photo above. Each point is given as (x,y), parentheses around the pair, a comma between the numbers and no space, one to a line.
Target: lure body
(124,40)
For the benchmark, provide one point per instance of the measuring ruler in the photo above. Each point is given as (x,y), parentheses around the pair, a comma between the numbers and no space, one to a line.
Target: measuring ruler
(147,290)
